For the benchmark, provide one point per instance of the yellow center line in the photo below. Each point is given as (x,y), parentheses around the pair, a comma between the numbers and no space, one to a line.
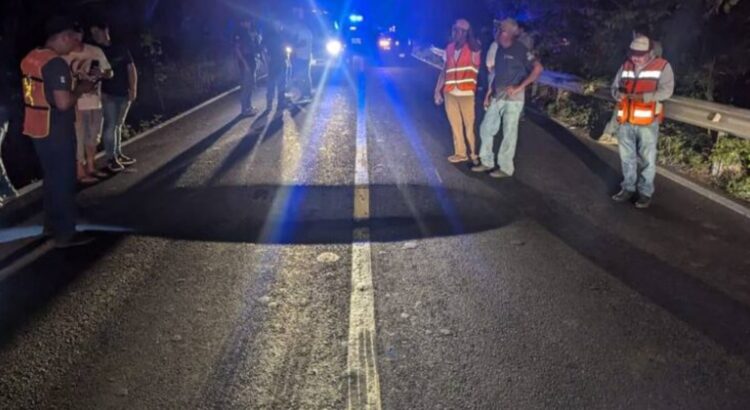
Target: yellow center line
(362,369)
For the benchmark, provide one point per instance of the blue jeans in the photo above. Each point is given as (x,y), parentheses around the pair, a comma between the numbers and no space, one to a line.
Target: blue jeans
(638,145)
(505,113)
(6,188)
(115,110)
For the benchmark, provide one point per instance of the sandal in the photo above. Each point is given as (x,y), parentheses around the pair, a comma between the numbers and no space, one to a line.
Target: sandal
(457,158)
(87,180)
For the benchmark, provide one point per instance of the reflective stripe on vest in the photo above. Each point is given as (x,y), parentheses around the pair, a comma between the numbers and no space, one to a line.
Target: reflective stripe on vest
(36,122)
(645,81)
(461,73)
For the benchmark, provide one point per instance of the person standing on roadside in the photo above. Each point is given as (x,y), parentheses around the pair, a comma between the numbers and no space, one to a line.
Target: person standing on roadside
(118,93)
(274,43)
(49,119)
(640,86)
(246,49)
(88,63)
(516,68)
(302,56)
(457,87)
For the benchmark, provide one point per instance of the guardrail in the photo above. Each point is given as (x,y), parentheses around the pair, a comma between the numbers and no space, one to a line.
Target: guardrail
(717,117)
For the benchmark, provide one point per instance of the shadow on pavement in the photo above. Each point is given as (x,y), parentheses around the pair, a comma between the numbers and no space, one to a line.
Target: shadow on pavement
(34,286)
(301,214)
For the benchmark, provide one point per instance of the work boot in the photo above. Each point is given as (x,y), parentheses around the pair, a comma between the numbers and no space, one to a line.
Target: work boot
(480,168)
(623,196)
(643,202)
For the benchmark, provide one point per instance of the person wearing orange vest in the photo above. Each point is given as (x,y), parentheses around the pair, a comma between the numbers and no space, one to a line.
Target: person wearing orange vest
(457,87)
(49,120)
(640,87)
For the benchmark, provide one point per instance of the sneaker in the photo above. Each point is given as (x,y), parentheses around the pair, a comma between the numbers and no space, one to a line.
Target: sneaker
(457,158)
(475,162)
(115,166)
(249,113)
(623,196)
(643,202)
(79,239)
(498,174)
(480,168)
(125,160)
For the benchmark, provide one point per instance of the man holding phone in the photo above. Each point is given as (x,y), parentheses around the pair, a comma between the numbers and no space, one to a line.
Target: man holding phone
(88,63)
(49,116)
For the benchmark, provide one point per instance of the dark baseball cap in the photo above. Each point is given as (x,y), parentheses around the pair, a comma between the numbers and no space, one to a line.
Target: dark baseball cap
(58,24)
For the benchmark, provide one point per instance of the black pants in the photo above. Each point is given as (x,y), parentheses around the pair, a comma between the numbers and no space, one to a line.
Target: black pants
(57,155)
(303,73)
(248,85)
(276,84)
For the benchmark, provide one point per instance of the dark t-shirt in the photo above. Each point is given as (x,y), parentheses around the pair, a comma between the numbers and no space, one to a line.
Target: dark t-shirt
(512,65)
(274,42)
(247,42)
(119,58)
(56,75)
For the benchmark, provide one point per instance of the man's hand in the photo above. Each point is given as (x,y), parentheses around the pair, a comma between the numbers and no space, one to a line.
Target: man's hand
(513,90)
(439,98)
(487,102)
(635,97)
(132,95)
(84,87)
(96,73)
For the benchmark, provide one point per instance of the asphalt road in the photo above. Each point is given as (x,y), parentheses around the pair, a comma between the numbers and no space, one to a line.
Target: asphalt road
(235,249)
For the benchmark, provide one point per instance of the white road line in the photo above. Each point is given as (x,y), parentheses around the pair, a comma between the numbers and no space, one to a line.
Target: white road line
(362,369)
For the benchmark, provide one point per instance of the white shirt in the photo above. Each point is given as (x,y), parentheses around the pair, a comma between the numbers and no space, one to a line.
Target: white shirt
(80,63)
(491,53)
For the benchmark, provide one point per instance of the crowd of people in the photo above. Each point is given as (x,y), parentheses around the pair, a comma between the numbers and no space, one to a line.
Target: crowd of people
(643,82)
(79,86)
(286,49)
(77,90)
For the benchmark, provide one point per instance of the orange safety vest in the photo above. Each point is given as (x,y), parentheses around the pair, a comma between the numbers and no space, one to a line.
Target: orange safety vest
(460,73)
(36,123)
(645,81)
